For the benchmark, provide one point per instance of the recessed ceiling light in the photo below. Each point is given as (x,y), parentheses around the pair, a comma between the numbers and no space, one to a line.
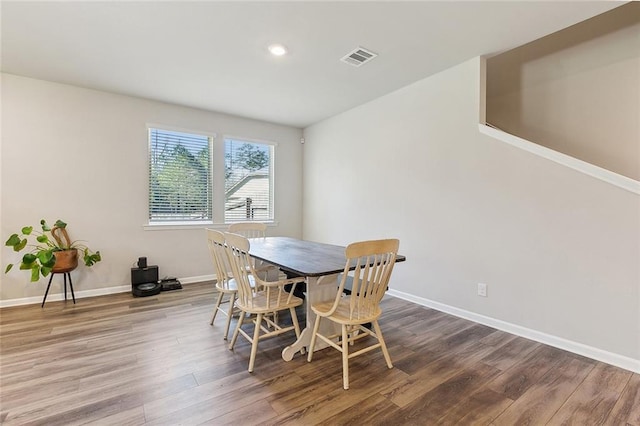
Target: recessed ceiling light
(277,49)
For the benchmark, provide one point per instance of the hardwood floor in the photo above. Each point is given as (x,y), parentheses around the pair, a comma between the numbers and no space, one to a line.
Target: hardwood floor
(119,360)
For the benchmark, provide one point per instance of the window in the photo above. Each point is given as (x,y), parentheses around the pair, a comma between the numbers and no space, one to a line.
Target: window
(248,181)
(182,168)
(179,177)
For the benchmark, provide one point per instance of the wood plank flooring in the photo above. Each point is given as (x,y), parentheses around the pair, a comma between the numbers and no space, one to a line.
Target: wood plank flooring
(120,360)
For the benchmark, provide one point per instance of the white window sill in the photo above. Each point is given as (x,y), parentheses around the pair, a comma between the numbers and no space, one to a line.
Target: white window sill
(168,226)
(172,226)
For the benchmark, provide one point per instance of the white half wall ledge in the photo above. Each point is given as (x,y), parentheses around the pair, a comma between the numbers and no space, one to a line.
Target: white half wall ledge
(547,339)
(52,297)
(592,170)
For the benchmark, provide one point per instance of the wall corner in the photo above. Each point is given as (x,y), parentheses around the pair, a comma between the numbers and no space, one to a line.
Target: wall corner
(482,104)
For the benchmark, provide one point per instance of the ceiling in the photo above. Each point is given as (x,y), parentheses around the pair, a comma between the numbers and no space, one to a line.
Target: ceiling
(213,55)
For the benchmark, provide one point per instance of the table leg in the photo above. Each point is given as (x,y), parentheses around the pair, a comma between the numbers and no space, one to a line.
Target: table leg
(319,289)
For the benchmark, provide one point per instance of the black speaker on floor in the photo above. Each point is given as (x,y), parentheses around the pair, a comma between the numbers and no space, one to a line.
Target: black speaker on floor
(144,281)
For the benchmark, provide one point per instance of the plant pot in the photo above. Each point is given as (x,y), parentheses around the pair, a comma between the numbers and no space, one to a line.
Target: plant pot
(66,261)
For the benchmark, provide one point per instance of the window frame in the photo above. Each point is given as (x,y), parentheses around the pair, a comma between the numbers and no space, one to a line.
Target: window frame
(217,173)
(272,154)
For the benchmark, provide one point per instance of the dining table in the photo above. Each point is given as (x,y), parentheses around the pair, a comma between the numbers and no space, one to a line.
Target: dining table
(319,263)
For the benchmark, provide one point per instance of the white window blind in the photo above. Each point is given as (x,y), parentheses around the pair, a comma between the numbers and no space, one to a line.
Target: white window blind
(179,177)
(248,181)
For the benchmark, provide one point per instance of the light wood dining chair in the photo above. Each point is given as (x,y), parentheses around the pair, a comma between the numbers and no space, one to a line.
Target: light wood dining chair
(255,230)
(225,284)
(262,300)
(373,262)
(249,229)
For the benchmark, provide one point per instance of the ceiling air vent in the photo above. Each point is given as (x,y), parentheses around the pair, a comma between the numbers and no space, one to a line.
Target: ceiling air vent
(358,56)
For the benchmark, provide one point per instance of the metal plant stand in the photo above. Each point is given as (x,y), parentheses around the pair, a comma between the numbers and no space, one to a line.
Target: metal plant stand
(65,274)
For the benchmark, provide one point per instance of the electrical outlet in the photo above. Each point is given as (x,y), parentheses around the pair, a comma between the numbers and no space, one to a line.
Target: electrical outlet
(482,290)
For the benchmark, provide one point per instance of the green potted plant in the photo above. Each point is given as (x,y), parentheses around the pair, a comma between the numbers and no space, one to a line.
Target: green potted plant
(52,252)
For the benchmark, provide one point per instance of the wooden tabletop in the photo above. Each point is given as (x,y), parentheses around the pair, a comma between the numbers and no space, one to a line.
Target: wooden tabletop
(303,258)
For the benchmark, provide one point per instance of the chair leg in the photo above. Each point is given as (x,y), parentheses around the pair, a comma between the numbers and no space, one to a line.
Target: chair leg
(355,332)
(383,346)
(254,343)
(345,357)
(215,309)
(314,335)
(232,300)
(237,330)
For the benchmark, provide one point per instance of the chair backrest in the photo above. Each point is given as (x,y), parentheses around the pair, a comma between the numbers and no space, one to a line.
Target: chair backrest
(273,292)
(237,252)
(249,229)
(215,241)
(373,262)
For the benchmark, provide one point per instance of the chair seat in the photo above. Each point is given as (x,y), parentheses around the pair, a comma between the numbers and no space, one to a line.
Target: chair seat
(230,286)
(343,313)
(260,304)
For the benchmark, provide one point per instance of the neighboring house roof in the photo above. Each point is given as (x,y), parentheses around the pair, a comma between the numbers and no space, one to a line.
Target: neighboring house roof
(254,186)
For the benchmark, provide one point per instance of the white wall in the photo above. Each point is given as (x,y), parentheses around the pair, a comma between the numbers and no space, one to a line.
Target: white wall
(81,155)
(558,249)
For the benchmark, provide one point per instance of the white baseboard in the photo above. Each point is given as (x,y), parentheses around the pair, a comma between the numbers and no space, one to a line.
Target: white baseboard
(91,293)
(197,279)
(548,339)
(51,297)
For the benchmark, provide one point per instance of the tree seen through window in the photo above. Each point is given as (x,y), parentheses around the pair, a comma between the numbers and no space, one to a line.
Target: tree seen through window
(180,177)
(247,181)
